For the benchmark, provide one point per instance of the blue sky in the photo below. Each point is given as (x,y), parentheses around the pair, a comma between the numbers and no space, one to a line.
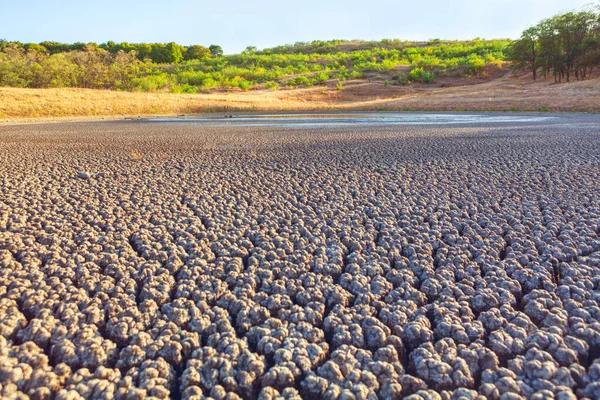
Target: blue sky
(236,24)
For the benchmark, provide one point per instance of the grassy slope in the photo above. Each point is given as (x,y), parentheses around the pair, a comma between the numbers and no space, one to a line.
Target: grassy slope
(40,103)
(499,92)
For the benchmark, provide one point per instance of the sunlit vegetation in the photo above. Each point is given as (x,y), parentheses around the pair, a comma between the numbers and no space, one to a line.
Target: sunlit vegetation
(563,46)
(174,68)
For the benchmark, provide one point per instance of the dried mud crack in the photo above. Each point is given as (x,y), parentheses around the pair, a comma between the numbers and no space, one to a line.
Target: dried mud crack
(287,261)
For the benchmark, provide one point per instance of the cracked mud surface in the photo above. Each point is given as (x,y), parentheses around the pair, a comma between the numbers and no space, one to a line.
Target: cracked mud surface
(191,259)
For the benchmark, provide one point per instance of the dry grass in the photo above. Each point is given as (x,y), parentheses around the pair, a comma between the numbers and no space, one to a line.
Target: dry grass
(503,93)
(39,103)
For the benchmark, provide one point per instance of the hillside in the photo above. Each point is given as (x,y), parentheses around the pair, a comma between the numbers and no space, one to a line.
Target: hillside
(498,91)
(302,65)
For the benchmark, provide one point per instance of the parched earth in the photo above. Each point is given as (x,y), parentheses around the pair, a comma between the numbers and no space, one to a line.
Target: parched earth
(420,257)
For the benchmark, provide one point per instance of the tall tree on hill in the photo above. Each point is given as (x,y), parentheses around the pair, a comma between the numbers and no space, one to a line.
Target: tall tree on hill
(144,51)
(524,52)
(215,50)
(170,53)
(196,52)
(550,55)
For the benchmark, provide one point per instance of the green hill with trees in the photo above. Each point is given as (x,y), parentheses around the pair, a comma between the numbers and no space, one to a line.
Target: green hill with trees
(565,46)
(170,67)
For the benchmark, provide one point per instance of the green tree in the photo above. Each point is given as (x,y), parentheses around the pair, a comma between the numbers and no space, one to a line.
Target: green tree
(573,29)
(170,53)
(175,52)
(524,52)
(58,70)
(564,45)
(55,47)
(14,67)
(124,68)
(215,50)
(143,51)
(34,47)
(108,45)
(76,46)
(590,57)
(196,52)
(123,46)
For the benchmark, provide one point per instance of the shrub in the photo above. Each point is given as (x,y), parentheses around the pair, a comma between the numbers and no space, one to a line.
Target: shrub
(299,81)
(272,85)
(387,65)
(420,75)
(208,83)
(343,73)
(245,85)
(151,83)
(184,89)
(475,63)
(402,79)
(322,77)
(357,75)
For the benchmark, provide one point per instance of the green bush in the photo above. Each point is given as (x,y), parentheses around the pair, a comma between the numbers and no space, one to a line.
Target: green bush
(420,75)
(402,79)
(184,89)
(322,77)
(151,83)
(357,75)
(209,83)
(272,85)
(475,63)
(244,85)
(300,81)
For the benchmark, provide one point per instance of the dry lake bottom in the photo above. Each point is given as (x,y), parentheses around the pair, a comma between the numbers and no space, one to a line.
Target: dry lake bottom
(346,256)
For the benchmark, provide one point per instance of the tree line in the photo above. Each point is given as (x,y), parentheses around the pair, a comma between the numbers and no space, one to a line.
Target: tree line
(160,53)
(122,66)
(92,67)
(564,46)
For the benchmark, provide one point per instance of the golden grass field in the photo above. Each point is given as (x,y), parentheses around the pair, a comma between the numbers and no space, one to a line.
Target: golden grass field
(501,92)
